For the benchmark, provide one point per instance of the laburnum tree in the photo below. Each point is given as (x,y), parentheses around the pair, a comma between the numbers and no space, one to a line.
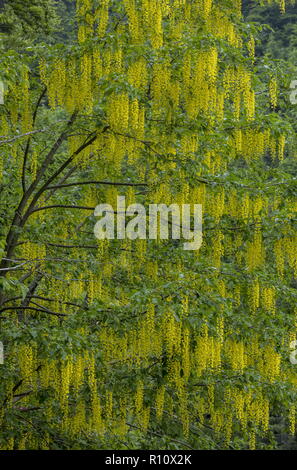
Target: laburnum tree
(140,343)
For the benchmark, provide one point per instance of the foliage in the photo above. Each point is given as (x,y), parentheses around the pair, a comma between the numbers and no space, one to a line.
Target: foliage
(139,343)
(22,21)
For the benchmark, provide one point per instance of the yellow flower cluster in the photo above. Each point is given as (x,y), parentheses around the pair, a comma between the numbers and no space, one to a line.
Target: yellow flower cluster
(170,334)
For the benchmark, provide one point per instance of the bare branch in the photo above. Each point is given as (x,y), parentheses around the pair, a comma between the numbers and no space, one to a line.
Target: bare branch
(80,183)
(63,206)
(29,141)
(87,247)
(14,267)
(26,134)
(34,309)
